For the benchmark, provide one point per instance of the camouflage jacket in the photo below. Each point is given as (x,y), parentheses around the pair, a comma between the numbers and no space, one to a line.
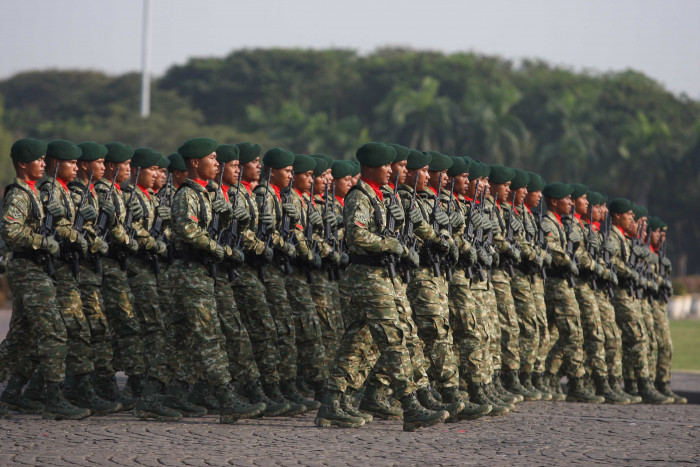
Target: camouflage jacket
(423,232)
(365,221)
(117,232)
(64,226)
(249,242)
(141,227)
(270,199)
(556,239)
(192,214)
(620,254)
(23,214)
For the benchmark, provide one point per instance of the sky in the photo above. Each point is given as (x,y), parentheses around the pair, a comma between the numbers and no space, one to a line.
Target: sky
(659,38)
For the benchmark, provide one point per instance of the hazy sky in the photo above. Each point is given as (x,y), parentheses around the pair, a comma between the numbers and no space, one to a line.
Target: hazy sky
(660,38)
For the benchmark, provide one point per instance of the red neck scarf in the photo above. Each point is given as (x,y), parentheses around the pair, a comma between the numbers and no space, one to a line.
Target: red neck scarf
(621,230)
(340,200)
(32,184)
(375,187)
(225,188)
(247,187)
(63,183)
(558,218)
(277,191)
(391,185)
(145,191)
(433,190)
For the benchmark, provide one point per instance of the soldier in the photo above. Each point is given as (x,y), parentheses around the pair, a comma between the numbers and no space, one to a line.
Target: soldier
(177,169)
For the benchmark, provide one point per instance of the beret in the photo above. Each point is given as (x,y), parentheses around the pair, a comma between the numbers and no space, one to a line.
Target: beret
(321,166)
(63,150)
(27,150)
(196,148)
(487,170)
(501,174)
(459,167)
(557,190)
(226,153)
(620,205)
(375,154)
(417,159)
(356,167)
(341,169)
(476,170)
(521,179)
(536,182)
(579,190)
(329,160)
(401,152)
(145,157)
(278,158)
(164,162)
(248,152)
(439,161)
(639,211)
(177,162)
(92,151)
(664,225)
(303,163)
(654,222)
(595,198)
(118,153)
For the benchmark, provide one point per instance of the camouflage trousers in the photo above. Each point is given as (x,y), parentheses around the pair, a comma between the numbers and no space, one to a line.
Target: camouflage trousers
(467,332)
(370,315)
(337,315)
(613,337)
(144,287)
(508,320)
(125,330)
(312,362)
(428,297)
(648,316)
(93,308)
(593,333)
(543,346)
(485,299)
(663,339)
(635,345)
(37,335)
(526,311)
(249,293)
(562,308)
(322,294)
(278,302)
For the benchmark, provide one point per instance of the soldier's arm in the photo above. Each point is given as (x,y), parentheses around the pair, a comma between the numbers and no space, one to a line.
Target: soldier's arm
(260,193)
(621,268)
(117,233)
(15,231)
(559,257)
(63,227)
(358,215)
(186,225)
(423,230)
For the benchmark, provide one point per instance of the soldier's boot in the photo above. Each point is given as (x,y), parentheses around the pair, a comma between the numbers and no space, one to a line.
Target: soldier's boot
(58,408)
(331,413)
(304,388)
(538,383)
(133,387)
(616,385)
(374,403)
(498,384)
(579,393)
(273,392)
(479,397)
(319,389)
(35,388)
(526,382)
(416,416)
(232,408)
(347,403)
(148,404)
(495,398)
(106,387)
(176,398)
(511,382)
(632,390)
(80,392)
(5,413)
(13,399)
(650,395)
(202,396)
(553,382)
(289,391)
(428,400)
(255,394)
(664,387)
(602,388)
(470,411)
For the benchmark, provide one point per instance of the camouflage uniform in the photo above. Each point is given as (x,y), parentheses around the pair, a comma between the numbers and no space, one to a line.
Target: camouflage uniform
(338,208)
(613,337)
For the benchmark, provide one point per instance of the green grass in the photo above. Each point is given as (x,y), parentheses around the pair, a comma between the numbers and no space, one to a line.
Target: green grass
(685,335)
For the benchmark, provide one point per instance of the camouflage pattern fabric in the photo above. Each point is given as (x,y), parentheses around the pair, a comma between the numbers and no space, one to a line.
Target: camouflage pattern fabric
(663,339)
(542,324)
(508,321)
(526,311)
(322,293)
(613,337)
(467,332)
(593,333)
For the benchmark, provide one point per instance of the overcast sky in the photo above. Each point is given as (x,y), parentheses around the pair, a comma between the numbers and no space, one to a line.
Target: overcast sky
(659,38)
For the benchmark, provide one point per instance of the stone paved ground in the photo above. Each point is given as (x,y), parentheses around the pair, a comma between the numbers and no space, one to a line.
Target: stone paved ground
(537,433)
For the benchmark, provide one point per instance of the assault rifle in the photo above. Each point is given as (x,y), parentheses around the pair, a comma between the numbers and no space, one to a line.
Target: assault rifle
(230,236)
(79,225)
(592,251)
(157,227)
(448,264)
(389,259)
(409,240)
(569,248)
(469,227)
(101,222)
(607,260)
(330,235)
(286,230)
(47,229)
(215,227)
(129,224)
(309,234)
(434,256)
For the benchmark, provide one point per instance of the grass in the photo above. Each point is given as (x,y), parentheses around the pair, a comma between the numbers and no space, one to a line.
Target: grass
(685,335)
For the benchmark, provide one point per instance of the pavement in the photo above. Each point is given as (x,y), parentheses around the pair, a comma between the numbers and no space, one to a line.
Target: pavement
(536,433)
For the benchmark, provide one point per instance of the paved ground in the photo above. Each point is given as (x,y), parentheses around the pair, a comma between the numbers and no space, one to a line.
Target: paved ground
(537,433)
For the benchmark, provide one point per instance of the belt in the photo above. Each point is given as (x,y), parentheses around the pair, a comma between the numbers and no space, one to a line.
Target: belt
(32,255)
(188,255)
(366,260)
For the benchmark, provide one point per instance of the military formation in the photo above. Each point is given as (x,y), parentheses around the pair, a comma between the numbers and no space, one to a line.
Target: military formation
(404,285)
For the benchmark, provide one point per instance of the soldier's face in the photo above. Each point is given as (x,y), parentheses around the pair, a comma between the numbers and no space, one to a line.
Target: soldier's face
(520,194)
(148,176)
(399,168)
(343,185)
(581,204)
(435,179)
(97,168)
(303,181)
(423,176)
(124,171)
(179,177)
(533,198)
(207,167)
(251,170)
(328,177)
(231,170)
(34,170)
(501,191)
(598,214)
(320,184)
(67,170)
(160,179)
(281,177)
(461,184)
(656,238)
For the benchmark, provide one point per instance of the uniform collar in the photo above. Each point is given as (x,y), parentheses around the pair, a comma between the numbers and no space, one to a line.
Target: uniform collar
(144,190)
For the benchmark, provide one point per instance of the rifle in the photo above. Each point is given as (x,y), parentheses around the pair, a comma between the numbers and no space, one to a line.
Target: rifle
(129,224)
(47,230)
(569,249)
(309,234)
(389,259)
(214,229)
(157,227)
(542,240)
(329,237)
(592,251)
(101,222)
(607,225)
(230,236)
(433,256)
(509,232)
(632,262)
(285,225)
(409,239)
(79,225)
(448,265)
(339,247)
(478,242)
(469,227)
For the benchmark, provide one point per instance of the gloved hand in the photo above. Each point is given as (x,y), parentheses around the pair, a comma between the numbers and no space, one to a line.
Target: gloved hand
(165,213)
(573,269)
(599,270)
(575,236)
(412,258)
(135,209)
(539,260)
(235,255)
(291,210)
(219,253)
(416,216)
(613,279)
(479,221)
(242,216)
(668,285)
(514,253)
(397,213)
(108,208)
(221,207)
(268,220)
(547,259)
(593,240)
(394,246)
(268,253)
(315,219)
(344,260)
(653,286)
(442,219)
(666,263)
(638,250)
(470,257)
(454,253)
(340,222)
(132,245)
(51,245)
(456,219)
(333,258)
(88,212)
(161,249)
(485,257)
(634,276)
(56,209)
(610,247)
(99,246)
(289,250)
(515,223)
(494,224)
(82,245)
(315,261)
(530,229)
(442,245)
(330,219)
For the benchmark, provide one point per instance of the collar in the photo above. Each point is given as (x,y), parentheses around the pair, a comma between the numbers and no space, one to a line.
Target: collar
(622,232)
(375,187)
(340,200)
(433,190)
(498,205)
(62,183)
(145,191)
(201,182)
(247,187)
(596,226)
(558,218)
(654,250)
(527,207)
(456,197)
(391,185)
(277,191)
(224,190)
(31,184)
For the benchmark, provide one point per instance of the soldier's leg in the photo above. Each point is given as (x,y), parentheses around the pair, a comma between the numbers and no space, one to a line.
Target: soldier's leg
(93,309)
(144,287)
(278,302)
(510,330)
(465,329)
(648,317)
(613,338)
(543,331)
(528,338)
(322,294)
(593,334)
(665,346)
(338,315)
(635,362)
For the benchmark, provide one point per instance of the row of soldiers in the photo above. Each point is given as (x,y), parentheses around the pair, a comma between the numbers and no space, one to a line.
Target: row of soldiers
(220,279)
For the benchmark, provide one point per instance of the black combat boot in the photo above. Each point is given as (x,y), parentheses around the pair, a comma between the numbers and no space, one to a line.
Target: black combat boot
(538,383)
(347,403)
(273,392)
(470,411)
(79,392)
(602,388)
(495,398)
(35,388)
(579,393)
(5,413)
(555,385)
(479,397)
(255,394)
(232,408)
(416,416)
(13,399)
(134,384)
(428,400)
(650,395)
(331,413)
(58,408)
(616,385)
(289,390)
(176,398)
(511,382)
(498,380)
(148,404)
(526,382)
(374,403)
(106,387)
(304,388)
(202,395)
(664,387)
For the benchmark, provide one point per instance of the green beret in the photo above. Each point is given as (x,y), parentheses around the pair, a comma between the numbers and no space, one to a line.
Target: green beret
(118,153)
(356,167)
(557,190)
(501,174)
(27,150)
(341,169)
(487,170)
(303,163)
(92,151)
(639,211)
(226,153)
(654,222)
(329,160)
(164,162)
(401,152)
(595,198)
(375,154)
(476,170)
(321,166)
(63,150)
(579,190)
(536,182)
(177,162)
(278,158)
(521,179)
(145,157)
(417,159)
(620,205)
(439,162)
(196,148)
(248,152)
(459,167)
(664,225)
